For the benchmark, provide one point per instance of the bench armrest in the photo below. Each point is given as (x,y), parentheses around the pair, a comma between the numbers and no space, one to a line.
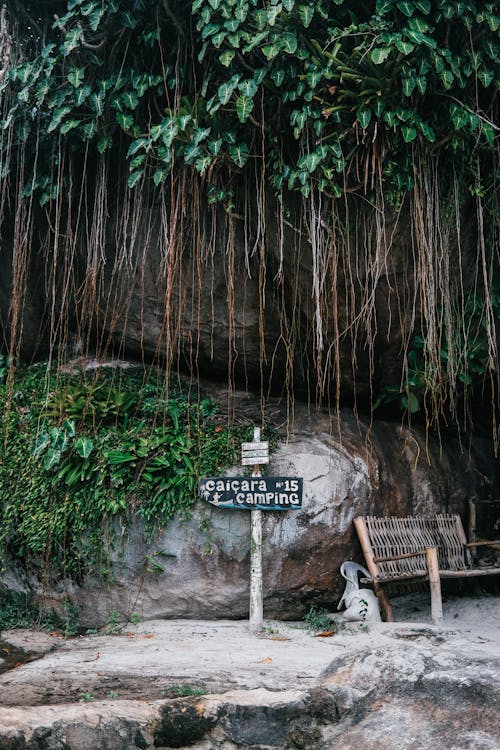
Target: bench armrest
(483,543)
(405,556)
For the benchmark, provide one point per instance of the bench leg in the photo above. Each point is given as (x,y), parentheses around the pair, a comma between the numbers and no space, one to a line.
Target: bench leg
(384,602)
(435,586)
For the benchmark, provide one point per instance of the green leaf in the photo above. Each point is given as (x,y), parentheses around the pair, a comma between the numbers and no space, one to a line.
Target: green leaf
(71,41)
(134,178)
(241,12)
(364,116)
(135,146)
(82,94)
(270,51)
(130,99)
(488,132)
(42,442)
(409,85)
(278,76)
(406,7)
(486,76)
(226,57)
(288,42)
(97,102)
(244,106)
(406,48)
(169,129)
(201,134)
(45,53)
(104,143)
(84,447)
(69,125)
(447,78)
(191,152)
(124,120)
(306,13)
(239,154)
(75,76)
(58,115)
(423,5)
(138,161)
(255,40)
(259,75)
(52,458)
(225,90)
(119,457)
(380,54)
(260,18)
(272,13)
(215,146)
(288,5)
(89,130)
(419,25)
(183,121)
(384,6)
(69,426)
(217,39)
(409,133)
(160,176)
(202,164)
(413,403)
(309,161)
(248,87)
(428,132)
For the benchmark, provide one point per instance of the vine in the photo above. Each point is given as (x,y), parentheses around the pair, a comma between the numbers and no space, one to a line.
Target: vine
(305,134)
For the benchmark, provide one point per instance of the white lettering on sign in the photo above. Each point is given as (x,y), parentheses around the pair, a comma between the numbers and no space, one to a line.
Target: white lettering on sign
(267,493)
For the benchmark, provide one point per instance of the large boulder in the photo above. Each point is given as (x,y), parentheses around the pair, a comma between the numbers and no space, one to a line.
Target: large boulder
(199,567)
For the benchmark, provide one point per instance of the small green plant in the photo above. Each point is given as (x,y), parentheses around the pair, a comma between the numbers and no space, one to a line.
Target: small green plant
(318,619)
(113,625)
(270,630)
(86,698)
(70,620)
(153,565)
(17,610)
(134,618)
(112,694)
(183,691)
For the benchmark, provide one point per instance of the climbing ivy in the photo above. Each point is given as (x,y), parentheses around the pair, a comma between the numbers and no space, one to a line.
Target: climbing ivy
(94,450)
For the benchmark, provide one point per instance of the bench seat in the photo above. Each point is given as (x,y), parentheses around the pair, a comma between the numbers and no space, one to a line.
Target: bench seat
(418,548)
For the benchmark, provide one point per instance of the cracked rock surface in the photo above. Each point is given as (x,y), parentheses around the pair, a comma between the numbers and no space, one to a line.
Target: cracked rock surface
(213,686)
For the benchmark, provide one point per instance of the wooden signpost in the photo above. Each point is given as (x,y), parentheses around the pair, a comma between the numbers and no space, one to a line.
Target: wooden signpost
(255,493)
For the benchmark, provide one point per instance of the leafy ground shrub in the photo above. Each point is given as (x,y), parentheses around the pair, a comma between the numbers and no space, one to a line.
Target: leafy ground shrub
(17,610)
(81,451)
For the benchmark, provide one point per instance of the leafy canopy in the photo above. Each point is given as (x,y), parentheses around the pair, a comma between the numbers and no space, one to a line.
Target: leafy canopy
(213,83)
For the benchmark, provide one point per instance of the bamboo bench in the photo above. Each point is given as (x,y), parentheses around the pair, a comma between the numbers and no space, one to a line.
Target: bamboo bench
(418,548)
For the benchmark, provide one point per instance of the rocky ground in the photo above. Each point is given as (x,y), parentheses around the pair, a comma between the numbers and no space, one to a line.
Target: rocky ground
(211,685)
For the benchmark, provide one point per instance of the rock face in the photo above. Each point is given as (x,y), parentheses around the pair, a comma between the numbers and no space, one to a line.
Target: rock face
(392,686)
(200,567)
(263,301)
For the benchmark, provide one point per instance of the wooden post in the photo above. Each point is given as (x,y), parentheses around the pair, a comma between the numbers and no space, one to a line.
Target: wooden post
(256,615)
(366,546)
(435,585)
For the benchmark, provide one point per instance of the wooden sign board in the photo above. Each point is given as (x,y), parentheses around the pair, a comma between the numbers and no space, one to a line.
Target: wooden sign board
(252,493)
(256,453)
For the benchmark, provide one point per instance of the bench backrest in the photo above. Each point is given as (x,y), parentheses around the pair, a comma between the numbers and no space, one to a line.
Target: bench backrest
(391,536)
